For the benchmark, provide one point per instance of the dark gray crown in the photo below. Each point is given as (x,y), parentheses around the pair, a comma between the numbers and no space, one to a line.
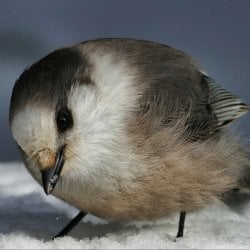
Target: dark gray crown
(47,81)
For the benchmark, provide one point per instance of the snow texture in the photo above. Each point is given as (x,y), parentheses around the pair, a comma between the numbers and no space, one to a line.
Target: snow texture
(29,218)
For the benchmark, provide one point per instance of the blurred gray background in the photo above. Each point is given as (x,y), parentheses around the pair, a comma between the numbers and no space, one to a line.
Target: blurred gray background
(215,32)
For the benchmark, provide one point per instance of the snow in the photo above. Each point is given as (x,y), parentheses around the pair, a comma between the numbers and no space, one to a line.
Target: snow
(29,219)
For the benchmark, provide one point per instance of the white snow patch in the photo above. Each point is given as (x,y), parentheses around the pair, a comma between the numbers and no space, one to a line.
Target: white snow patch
(29,219)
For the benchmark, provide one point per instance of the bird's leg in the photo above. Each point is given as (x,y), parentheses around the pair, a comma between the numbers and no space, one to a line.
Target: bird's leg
(71,225)
(181,224)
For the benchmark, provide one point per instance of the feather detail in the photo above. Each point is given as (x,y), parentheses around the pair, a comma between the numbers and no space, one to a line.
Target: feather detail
(226,106)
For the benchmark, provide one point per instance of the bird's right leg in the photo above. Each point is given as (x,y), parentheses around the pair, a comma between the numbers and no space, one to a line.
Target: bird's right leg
(71,225)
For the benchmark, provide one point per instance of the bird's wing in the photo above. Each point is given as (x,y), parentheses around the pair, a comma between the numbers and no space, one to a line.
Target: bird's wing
(207,106)
(226,106)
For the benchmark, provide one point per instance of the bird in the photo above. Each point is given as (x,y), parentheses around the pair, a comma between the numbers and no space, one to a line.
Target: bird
(128,129)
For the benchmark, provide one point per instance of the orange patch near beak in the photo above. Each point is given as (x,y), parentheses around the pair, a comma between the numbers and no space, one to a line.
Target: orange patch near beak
(46,159)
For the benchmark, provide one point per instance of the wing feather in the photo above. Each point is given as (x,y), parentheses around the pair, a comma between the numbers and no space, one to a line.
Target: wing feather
(226,106)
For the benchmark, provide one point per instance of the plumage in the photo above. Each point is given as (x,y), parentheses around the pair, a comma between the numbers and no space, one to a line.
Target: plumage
(226,106)
(147,137)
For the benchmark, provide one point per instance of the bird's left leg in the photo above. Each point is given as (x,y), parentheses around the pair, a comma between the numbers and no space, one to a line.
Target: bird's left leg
(181,224)
(71,225)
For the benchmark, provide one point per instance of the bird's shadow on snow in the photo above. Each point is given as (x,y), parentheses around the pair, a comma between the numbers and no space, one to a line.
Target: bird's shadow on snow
(30,215)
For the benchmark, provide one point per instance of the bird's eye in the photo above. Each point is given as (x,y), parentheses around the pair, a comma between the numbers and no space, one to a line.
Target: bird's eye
(64,120)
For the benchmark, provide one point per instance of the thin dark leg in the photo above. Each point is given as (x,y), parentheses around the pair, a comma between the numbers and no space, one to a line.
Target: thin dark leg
(181,224)
(71,225)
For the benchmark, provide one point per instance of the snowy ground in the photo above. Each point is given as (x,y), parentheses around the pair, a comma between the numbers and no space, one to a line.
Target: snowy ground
(28,219)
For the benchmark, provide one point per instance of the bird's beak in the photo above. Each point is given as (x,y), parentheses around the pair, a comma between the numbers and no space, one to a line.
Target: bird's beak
(50,176)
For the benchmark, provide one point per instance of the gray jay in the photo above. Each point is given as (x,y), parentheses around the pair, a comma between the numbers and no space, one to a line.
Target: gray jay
(128,129)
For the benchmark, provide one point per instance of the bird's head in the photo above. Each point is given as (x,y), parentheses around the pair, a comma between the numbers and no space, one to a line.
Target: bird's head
(43,117)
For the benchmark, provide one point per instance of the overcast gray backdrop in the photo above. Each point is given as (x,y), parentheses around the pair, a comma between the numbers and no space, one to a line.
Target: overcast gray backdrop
(215,32)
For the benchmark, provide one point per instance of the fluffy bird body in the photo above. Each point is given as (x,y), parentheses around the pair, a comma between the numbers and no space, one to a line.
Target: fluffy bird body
(146,138)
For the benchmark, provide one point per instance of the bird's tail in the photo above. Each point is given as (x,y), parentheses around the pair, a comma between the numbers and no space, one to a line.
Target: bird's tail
(238,197)
(244,182)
